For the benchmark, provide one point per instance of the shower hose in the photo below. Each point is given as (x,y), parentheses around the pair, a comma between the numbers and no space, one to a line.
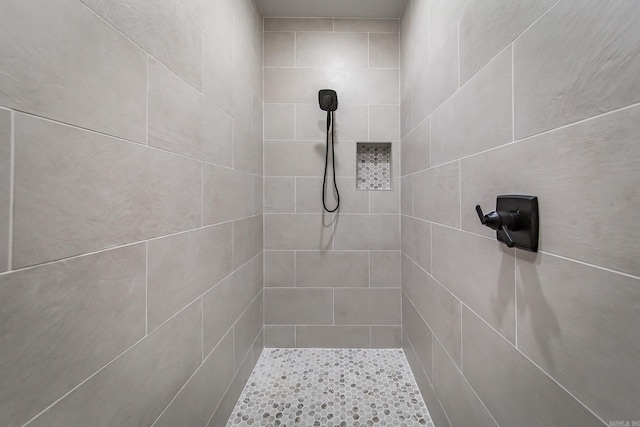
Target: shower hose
(326,165)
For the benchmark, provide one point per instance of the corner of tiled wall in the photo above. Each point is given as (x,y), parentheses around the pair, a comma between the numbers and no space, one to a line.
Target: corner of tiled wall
(535,98)
(131,228)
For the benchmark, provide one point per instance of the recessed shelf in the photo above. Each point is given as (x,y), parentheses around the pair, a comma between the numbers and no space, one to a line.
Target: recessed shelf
(373,168)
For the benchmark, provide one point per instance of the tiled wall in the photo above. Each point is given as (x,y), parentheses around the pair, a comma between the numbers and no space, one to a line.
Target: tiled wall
(130,210)
(331,280)
(526,97)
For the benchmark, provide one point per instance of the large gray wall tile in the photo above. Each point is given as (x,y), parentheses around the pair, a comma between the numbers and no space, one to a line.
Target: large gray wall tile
(351,123)
(384,50)
(247,149)
(195,403)
(224,304)
(487,27)
(248,239)
(480,272)
(438,80)
(279,121)
(5,186)
(375,232)
(384,122)
(227,194)
(385,201)
(437,194)
(386,336)
(477,117)
(441,310)
(258,195)
(62,322)
(306,158)
(515,391)
(185,122)
(367,306)
(298,24)
(565,309)
(298,306)
(246,329)
(458,398)
(418,333)
(580,60)
(333,336)
(216,19)
(406,114)
(309,196)
(385,269)
(279,49)
(445,15)
(228,402)
(279,195)
(332,268)
(279,268)
(163,28)
(416,149)
(308,231)
(246,63)
(57,72)
(366,25)
(168,356)
(416,241)
(337,50)
(183,267)
(407,275)
(592,167)
(224,84)
(406,195)
(75,192)
(279,336)
(219,81)
(436,412)
(299,85)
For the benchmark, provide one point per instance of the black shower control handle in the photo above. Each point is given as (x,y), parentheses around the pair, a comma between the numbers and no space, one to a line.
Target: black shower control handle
(505,221)
(515,220)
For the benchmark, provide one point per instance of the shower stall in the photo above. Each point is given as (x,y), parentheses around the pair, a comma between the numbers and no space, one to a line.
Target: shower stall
(191,234)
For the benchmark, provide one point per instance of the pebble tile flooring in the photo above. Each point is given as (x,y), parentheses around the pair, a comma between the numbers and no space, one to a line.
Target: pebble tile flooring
(331,387)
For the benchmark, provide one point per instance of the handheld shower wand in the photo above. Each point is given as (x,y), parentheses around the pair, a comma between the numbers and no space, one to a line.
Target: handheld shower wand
(328,100)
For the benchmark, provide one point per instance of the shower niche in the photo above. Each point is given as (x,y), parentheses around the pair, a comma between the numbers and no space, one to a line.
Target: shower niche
(373,166)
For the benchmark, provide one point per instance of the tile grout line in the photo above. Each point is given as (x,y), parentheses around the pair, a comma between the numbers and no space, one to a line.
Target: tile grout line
(146,289)
(146,138)
(513,93)
(235,374)
(530,137)
(202,194)
(130,141)
(460,191)
(138,242)
(369,253)
(12,191)
(461,347)
(515,294)
(459,72)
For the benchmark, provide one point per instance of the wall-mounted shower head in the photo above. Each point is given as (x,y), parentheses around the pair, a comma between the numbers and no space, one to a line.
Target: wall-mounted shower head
(328,100)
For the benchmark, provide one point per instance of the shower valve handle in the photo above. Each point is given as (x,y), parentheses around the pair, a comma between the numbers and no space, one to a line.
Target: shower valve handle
(505,221)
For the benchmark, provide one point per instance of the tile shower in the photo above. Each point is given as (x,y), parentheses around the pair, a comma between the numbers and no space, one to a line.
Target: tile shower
(161,218)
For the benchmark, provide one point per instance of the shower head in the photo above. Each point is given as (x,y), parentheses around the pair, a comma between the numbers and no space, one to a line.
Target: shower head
(328,100)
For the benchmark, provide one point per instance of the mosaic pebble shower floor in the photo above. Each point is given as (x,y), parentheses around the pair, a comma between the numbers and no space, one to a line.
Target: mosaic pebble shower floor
(331,387)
